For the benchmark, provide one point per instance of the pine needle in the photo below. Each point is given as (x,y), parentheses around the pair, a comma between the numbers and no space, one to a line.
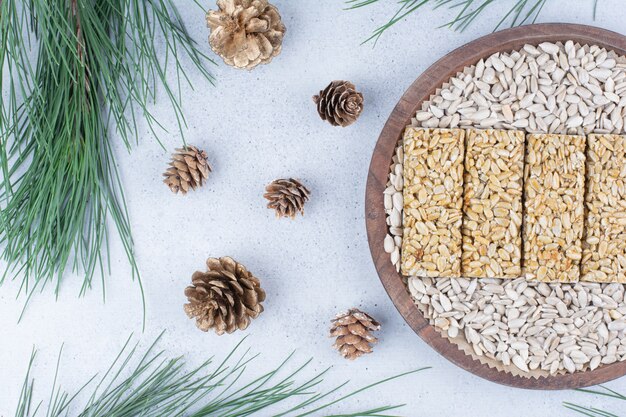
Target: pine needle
(464,12)
(157,385)
(96,70)
(592,411)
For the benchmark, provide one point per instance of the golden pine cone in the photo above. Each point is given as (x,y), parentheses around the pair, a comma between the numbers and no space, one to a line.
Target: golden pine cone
(353,332)
(224,298)
(339,103)
(189,168)
(287,197)
(245,33)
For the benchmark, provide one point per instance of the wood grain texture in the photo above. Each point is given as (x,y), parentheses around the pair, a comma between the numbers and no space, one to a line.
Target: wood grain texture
(411,101)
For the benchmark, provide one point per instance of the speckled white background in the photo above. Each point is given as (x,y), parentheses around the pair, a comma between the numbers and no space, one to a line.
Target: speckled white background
(257,126)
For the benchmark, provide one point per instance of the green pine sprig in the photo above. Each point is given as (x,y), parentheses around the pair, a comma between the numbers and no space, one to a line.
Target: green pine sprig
(151,384)
(78,75)
(464,12)
(596,412)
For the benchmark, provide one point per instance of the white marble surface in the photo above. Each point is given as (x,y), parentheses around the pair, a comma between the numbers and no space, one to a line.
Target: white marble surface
(257,126)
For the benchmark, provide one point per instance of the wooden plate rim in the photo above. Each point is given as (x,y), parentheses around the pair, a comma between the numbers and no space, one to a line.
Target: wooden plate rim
(421,89)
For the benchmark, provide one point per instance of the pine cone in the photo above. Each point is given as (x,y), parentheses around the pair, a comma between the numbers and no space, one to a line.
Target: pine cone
(245,33)
(225,297)
(287,197)
(339,103)
(188,169)
(352,330)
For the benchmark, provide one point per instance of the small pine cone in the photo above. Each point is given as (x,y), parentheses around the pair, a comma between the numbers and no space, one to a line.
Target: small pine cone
(224,298)
(339,103)
(245,33)
(287,197)
(353,332)
(188,169)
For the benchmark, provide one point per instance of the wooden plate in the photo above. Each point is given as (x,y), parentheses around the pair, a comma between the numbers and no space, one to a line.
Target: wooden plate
(411,101)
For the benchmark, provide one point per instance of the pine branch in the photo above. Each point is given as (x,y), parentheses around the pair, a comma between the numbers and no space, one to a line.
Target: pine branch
(160,386)
(592,411)
(464,12)
(97,68)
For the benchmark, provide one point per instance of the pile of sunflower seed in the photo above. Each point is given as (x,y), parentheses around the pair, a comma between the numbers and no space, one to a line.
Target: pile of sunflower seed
(551,88)
(536,327)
